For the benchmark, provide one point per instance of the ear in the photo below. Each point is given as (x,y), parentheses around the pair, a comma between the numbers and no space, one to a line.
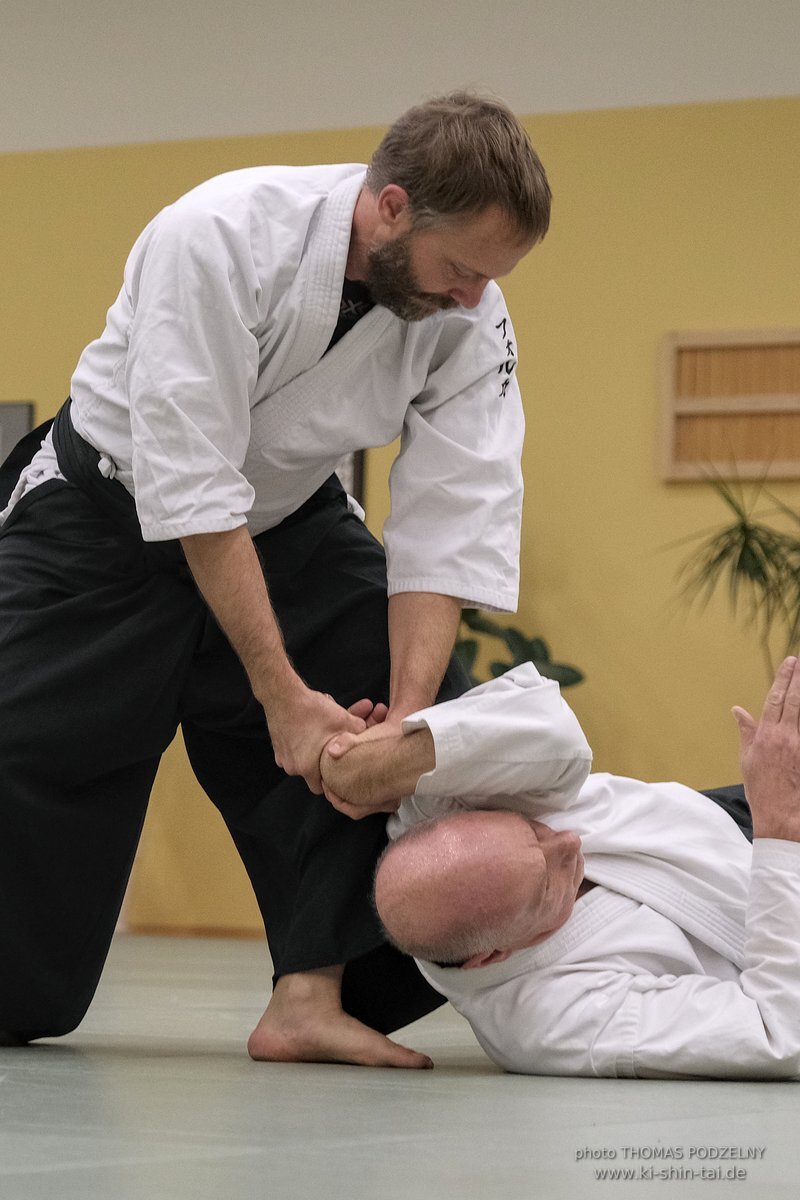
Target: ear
(393,207)
(485,959)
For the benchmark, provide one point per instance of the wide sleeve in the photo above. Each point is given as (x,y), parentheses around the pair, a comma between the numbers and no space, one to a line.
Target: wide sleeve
(606,1022)
(456,485)
(511,743)
(191,370)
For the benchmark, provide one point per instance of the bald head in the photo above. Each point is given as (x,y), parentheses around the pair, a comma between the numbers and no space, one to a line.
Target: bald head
(467,884)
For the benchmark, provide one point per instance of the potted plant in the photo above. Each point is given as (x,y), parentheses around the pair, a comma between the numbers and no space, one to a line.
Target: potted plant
(520,648)
(758,562)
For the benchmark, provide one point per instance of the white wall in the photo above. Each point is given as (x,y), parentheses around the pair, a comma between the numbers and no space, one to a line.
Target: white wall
(103,72)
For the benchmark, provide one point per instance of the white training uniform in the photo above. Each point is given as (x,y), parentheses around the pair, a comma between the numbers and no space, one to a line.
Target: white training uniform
(684,961)
(211,399)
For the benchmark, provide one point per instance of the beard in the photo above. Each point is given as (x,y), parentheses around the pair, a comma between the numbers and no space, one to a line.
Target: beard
(391,282)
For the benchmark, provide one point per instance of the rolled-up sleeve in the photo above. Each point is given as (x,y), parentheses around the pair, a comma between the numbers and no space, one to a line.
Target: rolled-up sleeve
(190,375)
(512,743)
(456,485)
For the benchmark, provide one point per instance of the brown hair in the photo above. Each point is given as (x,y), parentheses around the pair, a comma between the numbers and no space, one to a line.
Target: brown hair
(459,154)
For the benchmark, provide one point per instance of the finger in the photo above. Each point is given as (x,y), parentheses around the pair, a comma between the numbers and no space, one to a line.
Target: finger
(362,708)
(345,716)
(773,705)
(747,725)
(791,703)
(378,715)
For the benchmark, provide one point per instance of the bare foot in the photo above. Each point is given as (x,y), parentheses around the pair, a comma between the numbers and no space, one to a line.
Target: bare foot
(305,1022)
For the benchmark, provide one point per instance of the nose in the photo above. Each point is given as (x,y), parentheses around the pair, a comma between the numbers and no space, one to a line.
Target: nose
(468,295)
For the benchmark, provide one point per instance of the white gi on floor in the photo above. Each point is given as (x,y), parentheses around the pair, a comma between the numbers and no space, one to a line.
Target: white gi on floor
(685,961)
(212,400)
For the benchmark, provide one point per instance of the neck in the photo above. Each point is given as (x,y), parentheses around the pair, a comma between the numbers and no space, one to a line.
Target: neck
(361,233)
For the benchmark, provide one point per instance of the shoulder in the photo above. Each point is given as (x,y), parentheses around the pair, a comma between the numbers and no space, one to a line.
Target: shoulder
(254,187)
(247,202)
(256,217)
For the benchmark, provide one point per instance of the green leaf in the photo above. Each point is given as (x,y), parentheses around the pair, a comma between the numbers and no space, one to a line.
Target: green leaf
(757,564)
(466,651)
(518,644)
(563,674)
(521,648)
(539,650)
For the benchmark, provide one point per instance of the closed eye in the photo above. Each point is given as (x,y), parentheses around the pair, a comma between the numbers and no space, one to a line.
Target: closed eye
(466,272)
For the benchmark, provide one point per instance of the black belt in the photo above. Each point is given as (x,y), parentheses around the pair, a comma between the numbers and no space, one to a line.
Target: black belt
(79,464)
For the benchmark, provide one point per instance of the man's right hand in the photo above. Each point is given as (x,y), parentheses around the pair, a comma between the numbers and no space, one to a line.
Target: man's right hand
(770,757)
(302,722)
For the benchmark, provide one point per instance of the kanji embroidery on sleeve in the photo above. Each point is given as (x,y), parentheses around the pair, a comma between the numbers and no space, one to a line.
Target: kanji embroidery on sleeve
(506,368)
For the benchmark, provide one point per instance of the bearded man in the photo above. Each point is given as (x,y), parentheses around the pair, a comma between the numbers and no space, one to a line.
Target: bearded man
(176,551)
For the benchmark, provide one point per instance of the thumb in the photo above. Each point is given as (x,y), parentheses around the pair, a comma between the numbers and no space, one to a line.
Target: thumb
(746,723)
(342,742)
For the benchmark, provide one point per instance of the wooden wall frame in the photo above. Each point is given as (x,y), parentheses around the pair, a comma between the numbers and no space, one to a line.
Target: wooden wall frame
(731,404)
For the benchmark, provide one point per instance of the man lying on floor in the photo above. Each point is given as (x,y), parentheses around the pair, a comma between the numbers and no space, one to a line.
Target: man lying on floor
(590,924)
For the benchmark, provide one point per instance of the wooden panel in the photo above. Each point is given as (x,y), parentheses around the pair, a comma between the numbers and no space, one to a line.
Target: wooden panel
(731,404)
(738,370)
(738,438)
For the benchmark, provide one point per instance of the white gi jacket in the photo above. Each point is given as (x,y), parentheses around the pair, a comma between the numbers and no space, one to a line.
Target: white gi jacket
(685,961)
(209,397)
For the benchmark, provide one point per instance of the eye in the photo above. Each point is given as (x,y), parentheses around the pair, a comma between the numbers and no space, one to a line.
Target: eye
(458,272)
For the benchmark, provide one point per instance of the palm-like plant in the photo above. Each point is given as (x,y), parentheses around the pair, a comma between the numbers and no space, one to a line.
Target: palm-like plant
(759,564)
(521,648)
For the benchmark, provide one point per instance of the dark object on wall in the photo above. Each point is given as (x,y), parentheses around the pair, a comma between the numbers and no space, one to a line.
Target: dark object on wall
(350,470)
(16,419)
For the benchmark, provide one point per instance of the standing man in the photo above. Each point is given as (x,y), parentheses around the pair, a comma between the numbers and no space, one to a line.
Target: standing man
(270,321)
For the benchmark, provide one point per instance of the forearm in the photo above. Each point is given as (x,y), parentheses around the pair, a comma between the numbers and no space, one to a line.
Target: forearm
(379,768)
(228,573)
(422,633)
(227,570)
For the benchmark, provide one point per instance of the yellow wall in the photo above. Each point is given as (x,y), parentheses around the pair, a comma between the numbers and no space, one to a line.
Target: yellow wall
(677,218)
(665,218)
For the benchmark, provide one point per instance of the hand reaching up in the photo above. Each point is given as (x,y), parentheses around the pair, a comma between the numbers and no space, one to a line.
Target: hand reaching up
(770,757)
